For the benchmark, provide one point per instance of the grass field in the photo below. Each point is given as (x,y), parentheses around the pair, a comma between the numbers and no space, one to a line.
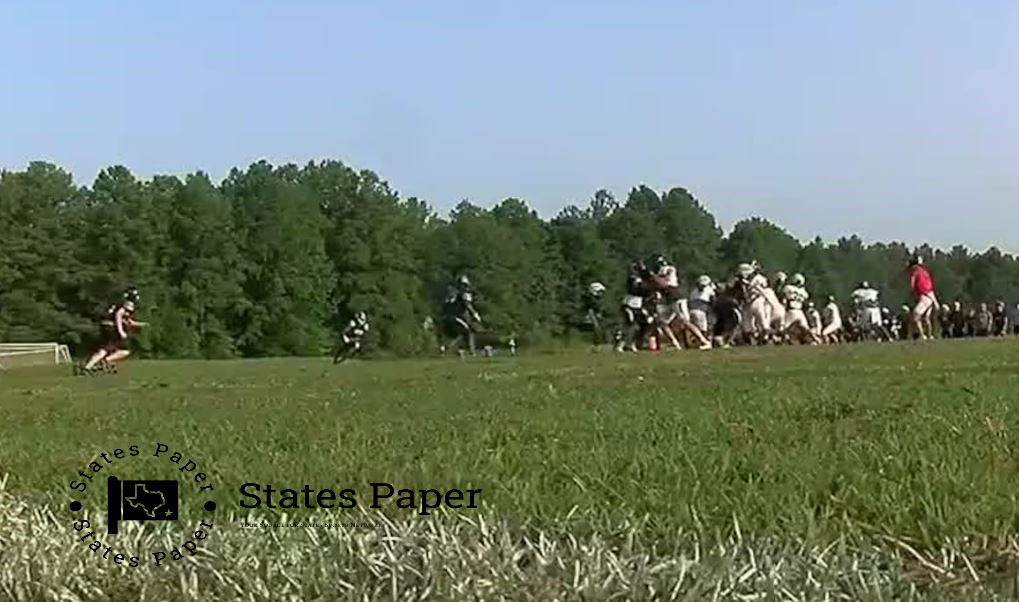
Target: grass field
(868,472)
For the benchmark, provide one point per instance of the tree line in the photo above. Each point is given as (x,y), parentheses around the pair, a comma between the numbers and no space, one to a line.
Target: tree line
(268,261)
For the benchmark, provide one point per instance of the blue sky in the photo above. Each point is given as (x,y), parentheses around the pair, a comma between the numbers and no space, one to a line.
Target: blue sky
(894,120)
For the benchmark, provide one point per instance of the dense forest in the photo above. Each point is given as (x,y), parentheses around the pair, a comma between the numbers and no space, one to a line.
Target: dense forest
(266,262)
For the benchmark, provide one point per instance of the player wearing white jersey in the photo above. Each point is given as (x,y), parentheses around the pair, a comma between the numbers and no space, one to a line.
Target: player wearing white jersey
(795,296)
(814,319)
(757,308)
(776,309)
(868,309)
(675,309)
(701,300)
(832,322)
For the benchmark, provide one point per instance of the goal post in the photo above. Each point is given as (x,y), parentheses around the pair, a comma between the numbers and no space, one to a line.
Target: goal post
(33,354)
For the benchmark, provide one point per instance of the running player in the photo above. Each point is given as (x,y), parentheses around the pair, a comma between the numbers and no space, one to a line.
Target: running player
(593,318)
(114,329)
(351,337)
(460,318)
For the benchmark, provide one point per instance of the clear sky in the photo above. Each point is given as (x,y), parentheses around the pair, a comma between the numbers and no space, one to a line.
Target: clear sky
(891,119)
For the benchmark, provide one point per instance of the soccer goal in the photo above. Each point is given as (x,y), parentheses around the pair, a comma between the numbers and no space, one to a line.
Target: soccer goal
(33,354)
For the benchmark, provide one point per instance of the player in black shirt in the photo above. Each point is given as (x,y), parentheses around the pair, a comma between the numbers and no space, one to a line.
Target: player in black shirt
(460,318)
(115,327)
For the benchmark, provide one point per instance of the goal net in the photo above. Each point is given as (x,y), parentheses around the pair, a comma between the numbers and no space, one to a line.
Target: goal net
(16,355)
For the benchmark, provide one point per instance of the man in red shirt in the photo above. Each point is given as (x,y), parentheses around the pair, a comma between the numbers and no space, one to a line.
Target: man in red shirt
(922,285)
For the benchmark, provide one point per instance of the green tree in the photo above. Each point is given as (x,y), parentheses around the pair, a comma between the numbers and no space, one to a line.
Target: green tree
(376,242)
(287,273)
(759,240)
(40,279)
(691,236)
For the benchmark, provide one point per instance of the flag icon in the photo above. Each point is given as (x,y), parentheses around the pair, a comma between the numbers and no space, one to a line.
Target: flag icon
(139,500)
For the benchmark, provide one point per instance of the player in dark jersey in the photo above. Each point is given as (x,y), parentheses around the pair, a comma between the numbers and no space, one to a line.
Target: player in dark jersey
(460,319)
(593,320)
(636,317)
(114,329)
(1001,323)
(350,339)
(725,308)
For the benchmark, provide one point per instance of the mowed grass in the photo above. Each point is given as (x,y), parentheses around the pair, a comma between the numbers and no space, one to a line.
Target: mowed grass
(868,444)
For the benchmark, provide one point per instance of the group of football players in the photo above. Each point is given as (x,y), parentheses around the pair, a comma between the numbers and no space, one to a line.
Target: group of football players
(748,308)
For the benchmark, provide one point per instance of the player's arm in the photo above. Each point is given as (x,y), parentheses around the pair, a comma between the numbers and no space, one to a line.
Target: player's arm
(122,322)
(473,312)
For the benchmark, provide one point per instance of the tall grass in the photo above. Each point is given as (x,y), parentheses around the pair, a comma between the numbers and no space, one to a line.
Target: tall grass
(856,473)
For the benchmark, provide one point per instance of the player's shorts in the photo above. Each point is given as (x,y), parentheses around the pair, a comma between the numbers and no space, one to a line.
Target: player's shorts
(110,339)
(683,309)
(455,326)
(796,317)
(633,316)
(760,316)
(776,314)
(670,310)
(925,305)
(870,317)
(832,328)
(699,318)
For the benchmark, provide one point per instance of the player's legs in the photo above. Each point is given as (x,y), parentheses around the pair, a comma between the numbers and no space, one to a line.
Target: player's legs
(778,316)
(760,319)
(110,347)
(807,333)
(631,329)
(117,356)
(928,319)
(830,333)
(466,334)
(96,357)
(699,318)
(597,335)
(748,327)
(921,315)
(683,313)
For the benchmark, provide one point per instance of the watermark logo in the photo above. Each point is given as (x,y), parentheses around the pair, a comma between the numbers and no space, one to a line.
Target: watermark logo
(154,498)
